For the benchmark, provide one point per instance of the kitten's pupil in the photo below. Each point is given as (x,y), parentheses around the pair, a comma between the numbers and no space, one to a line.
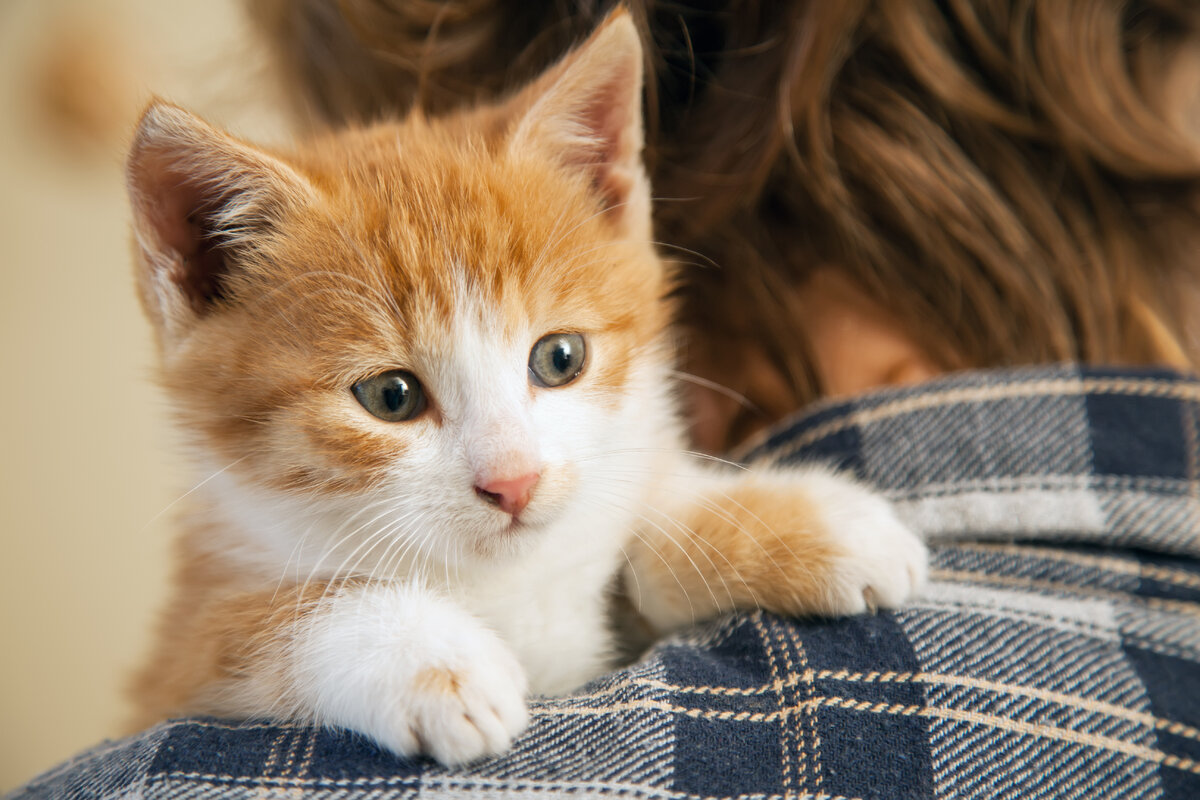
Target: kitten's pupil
(393,396)
(562,358)
(557,359)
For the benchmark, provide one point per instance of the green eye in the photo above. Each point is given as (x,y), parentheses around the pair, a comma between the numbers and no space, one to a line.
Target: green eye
(556,359)
(394,396)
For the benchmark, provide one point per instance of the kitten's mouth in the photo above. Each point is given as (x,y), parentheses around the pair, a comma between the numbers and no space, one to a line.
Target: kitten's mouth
(520,526)
(515,526)
(510,537)
(526,524)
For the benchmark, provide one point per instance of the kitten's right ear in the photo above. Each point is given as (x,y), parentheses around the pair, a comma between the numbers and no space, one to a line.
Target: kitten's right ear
(200,200)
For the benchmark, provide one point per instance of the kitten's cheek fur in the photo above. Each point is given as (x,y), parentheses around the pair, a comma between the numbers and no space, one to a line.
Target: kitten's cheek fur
(411,671)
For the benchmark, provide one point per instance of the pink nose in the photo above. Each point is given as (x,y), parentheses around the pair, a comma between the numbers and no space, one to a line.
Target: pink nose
(510,494)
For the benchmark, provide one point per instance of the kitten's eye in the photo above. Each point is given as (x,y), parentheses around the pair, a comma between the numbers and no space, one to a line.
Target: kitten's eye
(556,359)
(394,396)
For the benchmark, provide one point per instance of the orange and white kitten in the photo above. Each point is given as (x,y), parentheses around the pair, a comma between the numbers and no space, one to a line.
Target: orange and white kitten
(423,372)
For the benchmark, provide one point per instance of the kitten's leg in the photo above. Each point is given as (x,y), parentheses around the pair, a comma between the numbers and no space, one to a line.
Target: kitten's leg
(393,661)
(804,541)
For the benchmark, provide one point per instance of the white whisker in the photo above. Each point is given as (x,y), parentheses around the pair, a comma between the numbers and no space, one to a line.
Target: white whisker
(193,490)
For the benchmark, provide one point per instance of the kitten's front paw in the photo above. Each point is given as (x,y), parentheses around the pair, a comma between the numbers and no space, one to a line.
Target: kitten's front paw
(461,713)
(882,563)
(790,541)
(412,672)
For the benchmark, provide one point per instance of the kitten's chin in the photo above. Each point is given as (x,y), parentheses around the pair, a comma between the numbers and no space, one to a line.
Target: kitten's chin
(507,540)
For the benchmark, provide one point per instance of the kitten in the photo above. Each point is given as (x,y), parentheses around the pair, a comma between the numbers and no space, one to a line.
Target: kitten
(424,372)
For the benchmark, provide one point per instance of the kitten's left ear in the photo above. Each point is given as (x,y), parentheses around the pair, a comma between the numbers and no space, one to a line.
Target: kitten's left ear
(586,113)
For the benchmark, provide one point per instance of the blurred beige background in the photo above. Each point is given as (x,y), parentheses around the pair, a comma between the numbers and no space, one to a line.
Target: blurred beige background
(85,467)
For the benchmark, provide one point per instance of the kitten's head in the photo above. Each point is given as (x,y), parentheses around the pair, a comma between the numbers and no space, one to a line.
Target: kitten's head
(449,330)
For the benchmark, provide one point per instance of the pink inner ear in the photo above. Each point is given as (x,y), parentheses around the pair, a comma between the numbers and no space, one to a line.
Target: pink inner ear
(608,119)
(180,212)
(609,116)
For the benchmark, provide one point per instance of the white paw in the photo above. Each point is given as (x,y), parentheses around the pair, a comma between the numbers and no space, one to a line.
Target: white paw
(458,712)
(883,562)
(412,672)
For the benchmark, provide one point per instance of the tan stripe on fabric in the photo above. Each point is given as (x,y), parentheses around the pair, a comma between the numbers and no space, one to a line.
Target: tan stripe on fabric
(1119,566)
(544,788)
(1095,741)
(1055,387)
(1058,698)
(1185,607)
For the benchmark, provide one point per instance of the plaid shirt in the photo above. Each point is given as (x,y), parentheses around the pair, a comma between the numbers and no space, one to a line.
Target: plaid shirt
(1055,654)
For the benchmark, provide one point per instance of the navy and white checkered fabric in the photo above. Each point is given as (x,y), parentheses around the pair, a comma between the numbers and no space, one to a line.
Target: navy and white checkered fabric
(1056,653)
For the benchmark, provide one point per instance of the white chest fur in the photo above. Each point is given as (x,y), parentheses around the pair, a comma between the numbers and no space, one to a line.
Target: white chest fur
(550,604)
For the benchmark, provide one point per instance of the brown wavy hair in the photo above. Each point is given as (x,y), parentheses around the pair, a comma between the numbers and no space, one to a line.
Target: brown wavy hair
(1016,181)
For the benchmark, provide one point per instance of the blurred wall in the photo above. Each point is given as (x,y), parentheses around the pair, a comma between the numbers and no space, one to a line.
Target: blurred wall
(85,467)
